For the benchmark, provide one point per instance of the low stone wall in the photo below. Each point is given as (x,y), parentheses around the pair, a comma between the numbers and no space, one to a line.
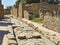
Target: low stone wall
(52,23)
(36,9)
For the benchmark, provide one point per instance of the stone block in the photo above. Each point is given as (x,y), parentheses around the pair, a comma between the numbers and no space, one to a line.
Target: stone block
(12,42)
(11,37)
(52,23)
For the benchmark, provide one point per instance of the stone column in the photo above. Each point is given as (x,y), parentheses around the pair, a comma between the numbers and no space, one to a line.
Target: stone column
(1,10)
(20,10)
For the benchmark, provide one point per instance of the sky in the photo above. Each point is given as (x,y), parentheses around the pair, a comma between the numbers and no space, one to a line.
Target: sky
(8,2)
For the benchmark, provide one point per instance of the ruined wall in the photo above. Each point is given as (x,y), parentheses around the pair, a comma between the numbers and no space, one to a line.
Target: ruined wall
(34,8)
(7,11)
(14,12)
(50,8)
(52,22)
(41,9)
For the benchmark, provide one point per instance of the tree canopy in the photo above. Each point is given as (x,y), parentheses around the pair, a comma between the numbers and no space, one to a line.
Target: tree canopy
(53,1)
(37,1)
(9,7)
(32,1)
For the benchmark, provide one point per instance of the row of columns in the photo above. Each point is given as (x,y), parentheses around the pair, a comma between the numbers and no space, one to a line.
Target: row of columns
(18,11)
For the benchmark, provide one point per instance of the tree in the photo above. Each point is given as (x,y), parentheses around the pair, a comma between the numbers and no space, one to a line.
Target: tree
(17,2)
(9,7)
(53,2)
(32,1)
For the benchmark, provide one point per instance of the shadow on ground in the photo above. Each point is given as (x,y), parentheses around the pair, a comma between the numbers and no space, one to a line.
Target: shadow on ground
(2,33)
(5,24)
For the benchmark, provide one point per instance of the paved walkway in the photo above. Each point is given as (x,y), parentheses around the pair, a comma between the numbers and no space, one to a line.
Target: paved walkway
(3,30)
(49,34)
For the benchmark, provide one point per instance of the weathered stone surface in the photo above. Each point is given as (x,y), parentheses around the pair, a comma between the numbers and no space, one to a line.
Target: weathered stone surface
(52,23)
(47,33)
(11,36)
(26,14)
(31,42)
(32,8)
(24,33)
(10,29)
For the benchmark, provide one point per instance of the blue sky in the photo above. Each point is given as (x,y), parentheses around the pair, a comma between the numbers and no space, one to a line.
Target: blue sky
(8,2)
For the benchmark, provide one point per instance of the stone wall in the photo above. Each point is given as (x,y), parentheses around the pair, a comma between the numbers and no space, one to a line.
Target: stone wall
(34,8)
(52,23)
(7,11)
(41,9)
(50,8)
(14,12)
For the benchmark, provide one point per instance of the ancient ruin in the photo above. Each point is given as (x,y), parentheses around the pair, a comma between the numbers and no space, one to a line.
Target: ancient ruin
(1,10)
(30,22)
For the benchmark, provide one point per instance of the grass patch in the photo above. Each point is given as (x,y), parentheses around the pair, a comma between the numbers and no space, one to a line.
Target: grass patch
(38,20)
(58,16)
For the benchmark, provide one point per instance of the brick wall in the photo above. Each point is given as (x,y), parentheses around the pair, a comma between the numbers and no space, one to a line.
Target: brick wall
(34,8)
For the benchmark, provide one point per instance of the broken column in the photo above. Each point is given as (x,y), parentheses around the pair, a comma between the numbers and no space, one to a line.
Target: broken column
(20,10)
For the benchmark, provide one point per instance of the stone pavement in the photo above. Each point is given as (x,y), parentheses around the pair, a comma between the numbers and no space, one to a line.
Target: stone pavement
(3,30)
(49,34)
(23,34)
